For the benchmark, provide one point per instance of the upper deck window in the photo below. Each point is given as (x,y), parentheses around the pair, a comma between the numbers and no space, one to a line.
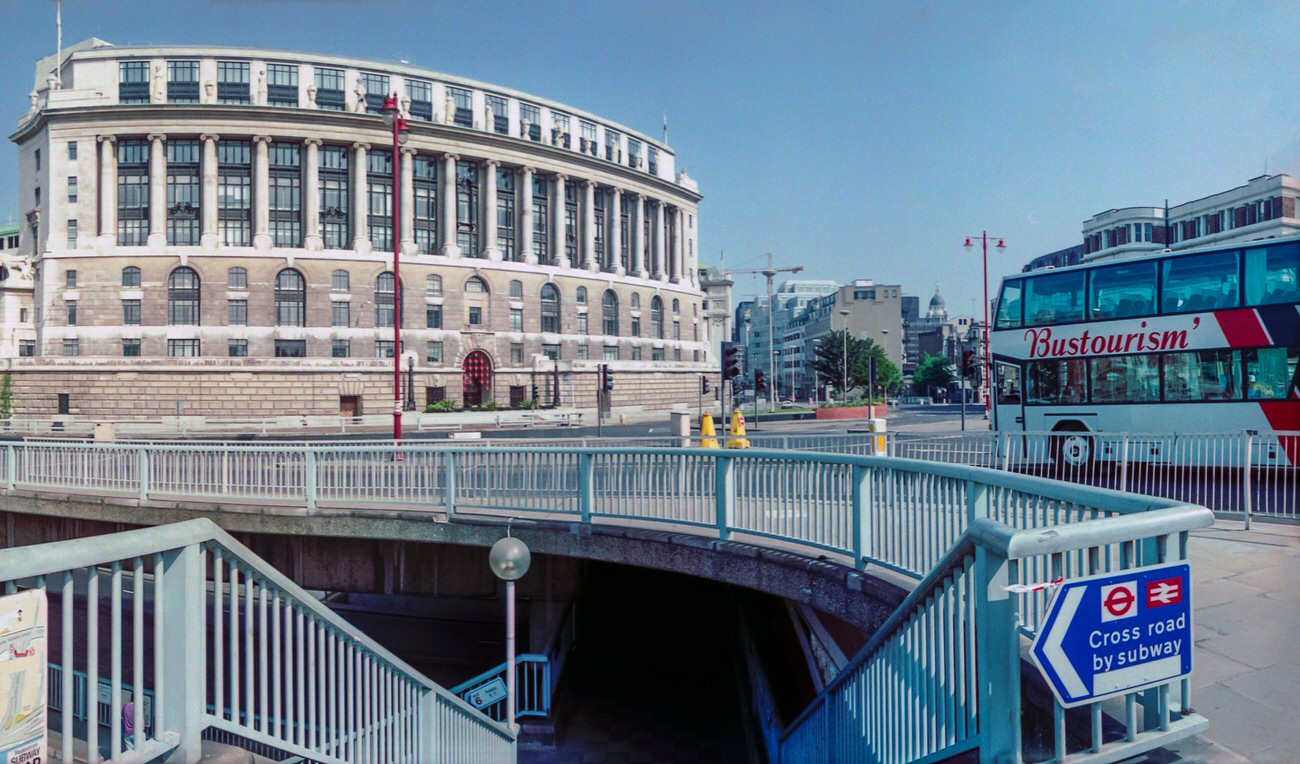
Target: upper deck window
(1009,305)
(1273,274)
(1199,282)
(1122,291)
(1054,299)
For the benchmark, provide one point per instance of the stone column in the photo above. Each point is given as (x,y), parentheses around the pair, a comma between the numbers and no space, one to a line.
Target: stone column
(488,246)
(558,232)
(447,197)
(108,190)
(657,230)
(261,193)
(311,238)
(157,190)
(675,244)
(525,216)
(208,202)
(588,252)
(636,232)
(409,248)
(615,229)
(360,200)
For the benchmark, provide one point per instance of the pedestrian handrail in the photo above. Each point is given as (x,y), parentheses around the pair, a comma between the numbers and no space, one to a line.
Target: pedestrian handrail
(532,687)
(236,646)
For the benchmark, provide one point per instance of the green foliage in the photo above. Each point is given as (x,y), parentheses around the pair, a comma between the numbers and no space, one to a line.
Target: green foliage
(932,373)
(829,363)
(487,406)
(6,396)
(527,403)
(441,407)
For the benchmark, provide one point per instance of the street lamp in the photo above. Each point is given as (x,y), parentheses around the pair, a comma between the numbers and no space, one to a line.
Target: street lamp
(394,120)
(509,560)
(988,358)
(844,383)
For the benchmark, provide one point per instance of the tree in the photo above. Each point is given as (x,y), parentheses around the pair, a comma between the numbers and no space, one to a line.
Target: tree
(6,396)
(932,373)
(829,362)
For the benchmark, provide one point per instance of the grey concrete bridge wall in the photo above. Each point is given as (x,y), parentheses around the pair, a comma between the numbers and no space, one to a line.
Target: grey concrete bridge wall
(418,551)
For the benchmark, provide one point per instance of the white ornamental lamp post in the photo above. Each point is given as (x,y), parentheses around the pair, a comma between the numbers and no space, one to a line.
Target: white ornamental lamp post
(509,560)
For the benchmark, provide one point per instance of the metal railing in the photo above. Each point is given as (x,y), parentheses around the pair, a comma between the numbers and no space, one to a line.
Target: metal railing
(533,686)
(234,646)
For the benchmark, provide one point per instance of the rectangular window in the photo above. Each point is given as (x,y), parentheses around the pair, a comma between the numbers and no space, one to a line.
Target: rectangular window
(1271,373)
(65,403)
(383,348)
(183,348)
(132,193)
(130,347)
(340,349)
(1126,379)
(435,394)
(598,200)
(636,353)
(424,171)
(656,354)
(1054,299)
(26,348)
(376,87)
(72,312)
(237,348)
(433,316)
(652,162)
(329,89)
(182,82)
(516,319)
(234,194)
(1273,274)
(560,130)
(237,312)
(282,84)
(433,352)
(571,222)
(183,195)
(506,213)
(339,280)
(1204,375)
(72,234)
(72,189)
(133,82)
(463,102)
(633,152)
(334,197)
(1199,283)
(1058,381)
(541,219)
(340,314)
(232,82)
(131,312)
(516,353)
(421,95)
(583,353)
(498,112)
(467,208)
(291,348)
(611,352)
(70,279)
(475,316)
(1122,291)
(677,354)
(72,150)
(587,145)
(582,323)
(612,151)
(530,122)
(379,193)
(237,278)
(551,351)
(636,326)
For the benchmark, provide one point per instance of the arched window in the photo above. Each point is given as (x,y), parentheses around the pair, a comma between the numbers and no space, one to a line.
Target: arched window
(130,276)
(433,284)
(340,281)
(290,298)
(237,278)
(476,285)
(677,306)
(657,318)
(550,309)
(609,312)
(183,297)
(636,301)
(581,296)
(516,290)
(385,292)
(476,302)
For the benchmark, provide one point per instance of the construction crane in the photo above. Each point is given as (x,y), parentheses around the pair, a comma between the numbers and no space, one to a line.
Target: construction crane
(769,272)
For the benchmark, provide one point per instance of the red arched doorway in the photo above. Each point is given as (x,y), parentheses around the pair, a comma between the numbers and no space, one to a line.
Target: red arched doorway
(476,373)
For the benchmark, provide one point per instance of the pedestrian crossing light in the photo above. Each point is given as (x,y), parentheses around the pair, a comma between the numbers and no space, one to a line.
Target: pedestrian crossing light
(967,363)
(760,384)
(606,378)
(730,360)
(704,385)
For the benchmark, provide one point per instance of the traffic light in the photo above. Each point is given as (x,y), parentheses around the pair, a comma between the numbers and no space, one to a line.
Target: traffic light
(760,384)
(606,378)
(704,385)
(730,360)
(967,363)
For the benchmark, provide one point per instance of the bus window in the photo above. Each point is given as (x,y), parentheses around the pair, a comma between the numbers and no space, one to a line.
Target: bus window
(1205,375)
(1270,372)
(1054,299)
(1009,305)
(1202,282)
(1126,379)
(1273,274)
(1122,291)
(1058,381)
(1008,383)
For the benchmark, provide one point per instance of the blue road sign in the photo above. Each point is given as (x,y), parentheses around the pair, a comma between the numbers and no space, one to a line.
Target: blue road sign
(1116,633)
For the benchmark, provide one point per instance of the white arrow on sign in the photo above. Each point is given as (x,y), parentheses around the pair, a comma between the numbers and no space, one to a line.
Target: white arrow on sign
(1052,645)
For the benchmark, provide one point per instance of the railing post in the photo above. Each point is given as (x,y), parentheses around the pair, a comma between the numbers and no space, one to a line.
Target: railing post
(11,467)
(977,501)
(1123,463)
(426,745)
(449,482)
(586,487)
(997,657)
(143,472)
(724,490)
(183,671)
(863,501)
(1247,502)
(309,478)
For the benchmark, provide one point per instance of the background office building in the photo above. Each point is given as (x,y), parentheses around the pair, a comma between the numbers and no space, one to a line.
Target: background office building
(212,227)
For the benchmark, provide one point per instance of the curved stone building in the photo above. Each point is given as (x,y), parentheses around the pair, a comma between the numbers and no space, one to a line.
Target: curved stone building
(212,227)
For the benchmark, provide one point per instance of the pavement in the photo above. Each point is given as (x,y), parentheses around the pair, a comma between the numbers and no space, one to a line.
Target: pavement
(1246,675)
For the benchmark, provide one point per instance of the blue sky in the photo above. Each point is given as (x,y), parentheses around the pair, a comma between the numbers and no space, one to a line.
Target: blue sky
(861,140)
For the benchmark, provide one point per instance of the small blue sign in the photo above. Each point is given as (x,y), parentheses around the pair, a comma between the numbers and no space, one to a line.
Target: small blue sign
(1115,633)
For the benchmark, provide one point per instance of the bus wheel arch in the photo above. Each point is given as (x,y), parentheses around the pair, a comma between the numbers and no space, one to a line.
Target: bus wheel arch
(1073,446)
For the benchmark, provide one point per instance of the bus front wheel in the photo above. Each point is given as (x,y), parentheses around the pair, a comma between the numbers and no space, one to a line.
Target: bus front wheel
(1072,448)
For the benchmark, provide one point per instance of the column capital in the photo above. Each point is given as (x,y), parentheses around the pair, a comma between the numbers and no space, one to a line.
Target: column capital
(261,139)
(106,138)
(312,142)
(561,177)
(452,157)
(589,183)
(209,137)
(362,145)
(157,137)
(491,163)
(527,170)
(409,151)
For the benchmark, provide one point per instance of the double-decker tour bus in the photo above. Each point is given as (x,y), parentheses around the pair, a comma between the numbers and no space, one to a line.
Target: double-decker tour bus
(1204,340)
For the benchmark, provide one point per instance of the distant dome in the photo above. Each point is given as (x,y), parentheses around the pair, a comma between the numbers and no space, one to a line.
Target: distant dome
(937,307)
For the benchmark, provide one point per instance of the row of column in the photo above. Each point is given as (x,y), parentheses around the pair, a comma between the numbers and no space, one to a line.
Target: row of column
(666,255)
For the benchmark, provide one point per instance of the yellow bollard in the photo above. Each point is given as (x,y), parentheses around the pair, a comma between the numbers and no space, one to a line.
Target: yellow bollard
(737,439)
(708,435)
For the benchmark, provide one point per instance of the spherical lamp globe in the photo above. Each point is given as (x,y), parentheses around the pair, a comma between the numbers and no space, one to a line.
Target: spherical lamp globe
(510,559)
